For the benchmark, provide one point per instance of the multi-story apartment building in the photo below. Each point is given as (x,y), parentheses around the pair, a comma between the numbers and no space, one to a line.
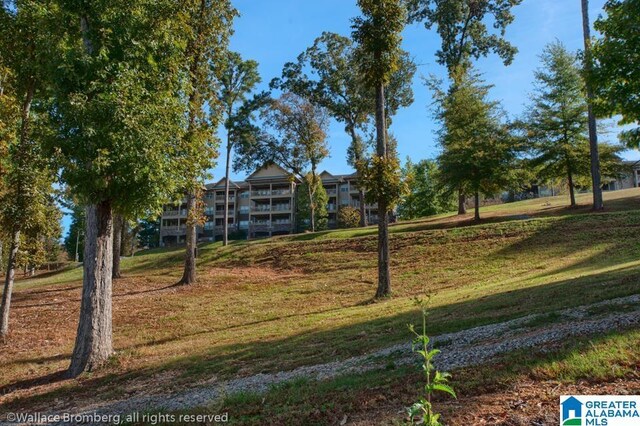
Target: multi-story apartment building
(260,206)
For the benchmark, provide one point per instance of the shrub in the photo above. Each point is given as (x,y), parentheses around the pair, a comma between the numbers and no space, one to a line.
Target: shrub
(348,217)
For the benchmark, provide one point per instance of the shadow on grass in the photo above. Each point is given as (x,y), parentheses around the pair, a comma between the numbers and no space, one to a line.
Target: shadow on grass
(318,346)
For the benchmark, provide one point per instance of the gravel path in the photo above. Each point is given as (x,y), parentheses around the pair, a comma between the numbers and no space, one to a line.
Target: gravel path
(464,348)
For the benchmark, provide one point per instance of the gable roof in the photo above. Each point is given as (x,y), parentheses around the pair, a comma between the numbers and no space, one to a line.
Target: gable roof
(269,171)
(221,182)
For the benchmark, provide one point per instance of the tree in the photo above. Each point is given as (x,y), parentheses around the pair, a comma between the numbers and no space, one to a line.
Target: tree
(74,241)
(464,34)
(206,53)
(615,77)
(295,137)
(119,115)
(378,34)
(426,195)
(557,120)
(312,211)
(598,203)
(333,82)
(348,217)
(25,207)
(238,79)
(149,234)
(118,230)
(477,150)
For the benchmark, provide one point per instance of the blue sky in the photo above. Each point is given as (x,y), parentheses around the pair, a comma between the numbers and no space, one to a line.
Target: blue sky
(276,31)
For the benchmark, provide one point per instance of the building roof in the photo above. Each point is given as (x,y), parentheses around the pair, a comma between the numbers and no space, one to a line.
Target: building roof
(273,171)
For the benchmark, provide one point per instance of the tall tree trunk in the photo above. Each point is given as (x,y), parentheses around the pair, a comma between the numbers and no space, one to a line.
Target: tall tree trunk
(189,274)
(384,271)
(476,208)
(118,227)
(312,208)
(8,284)
(571,189)
(598,203)
(25,115)
(363,211)
(462,203)
(94,339)
(225,232)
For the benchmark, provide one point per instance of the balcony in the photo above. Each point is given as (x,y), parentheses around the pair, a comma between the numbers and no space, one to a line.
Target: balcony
(173,230)
(261,193)
(332,192)
(174,213)
(220,199)
(261,208)
(278,192)
(220,213)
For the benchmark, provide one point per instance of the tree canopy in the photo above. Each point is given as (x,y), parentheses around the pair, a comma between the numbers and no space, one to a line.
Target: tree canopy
(616,75)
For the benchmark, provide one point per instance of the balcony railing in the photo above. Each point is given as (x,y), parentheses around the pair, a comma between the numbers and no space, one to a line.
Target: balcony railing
(174,213)
(261,193)
(269,193)
(220,198)
(273,208)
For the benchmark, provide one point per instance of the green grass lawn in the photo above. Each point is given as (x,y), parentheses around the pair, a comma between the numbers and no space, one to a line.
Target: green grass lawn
(281,303)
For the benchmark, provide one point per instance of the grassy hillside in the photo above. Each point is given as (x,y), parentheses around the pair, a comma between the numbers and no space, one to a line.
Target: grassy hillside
(276,304)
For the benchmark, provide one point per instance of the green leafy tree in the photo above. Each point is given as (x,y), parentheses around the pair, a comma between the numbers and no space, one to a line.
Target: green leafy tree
(557,120)
(465,35)
(348,217)
(149,234)
(378,33)
(616,75)
(295,138)
(327,74)
(119,113)
(463,28)
(238,78)
(426,196)
(74,240)
(206,54)
(477,150)
(312,204)
(25,212)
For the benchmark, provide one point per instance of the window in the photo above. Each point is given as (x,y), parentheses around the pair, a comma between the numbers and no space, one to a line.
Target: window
(208,195)
(244,209)
(244,224)
(244,194)
(344,188)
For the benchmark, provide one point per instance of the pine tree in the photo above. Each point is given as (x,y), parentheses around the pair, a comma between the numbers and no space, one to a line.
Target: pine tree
(557,120)
(477,149)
